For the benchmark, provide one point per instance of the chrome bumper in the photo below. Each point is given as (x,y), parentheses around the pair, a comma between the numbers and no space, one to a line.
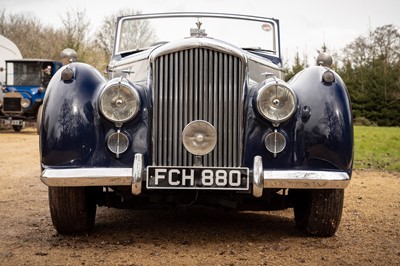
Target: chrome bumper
(261,179)
(82,177)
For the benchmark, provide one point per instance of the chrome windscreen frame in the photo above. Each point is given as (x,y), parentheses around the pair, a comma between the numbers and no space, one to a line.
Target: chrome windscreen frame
(274,22)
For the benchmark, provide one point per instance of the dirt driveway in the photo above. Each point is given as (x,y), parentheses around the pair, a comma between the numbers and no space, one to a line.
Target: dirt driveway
(369,233)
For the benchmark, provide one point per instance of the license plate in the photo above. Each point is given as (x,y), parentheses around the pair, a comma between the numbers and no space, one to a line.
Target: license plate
(211,178)
(17,122)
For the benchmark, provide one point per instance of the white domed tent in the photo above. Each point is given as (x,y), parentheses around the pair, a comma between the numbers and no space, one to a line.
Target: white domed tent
(8,50)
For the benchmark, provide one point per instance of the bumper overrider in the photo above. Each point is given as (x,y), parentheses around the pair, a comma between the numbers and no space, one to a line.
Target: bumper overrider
(259,178)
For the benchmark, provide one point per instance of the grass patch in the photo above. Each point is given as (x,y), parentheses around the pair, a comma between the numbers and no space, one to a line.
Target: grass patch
(377,148)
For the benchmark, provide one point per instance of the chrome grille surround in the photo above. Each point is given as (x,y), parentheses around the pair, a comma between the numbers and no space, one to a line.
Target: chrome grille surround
(198,79)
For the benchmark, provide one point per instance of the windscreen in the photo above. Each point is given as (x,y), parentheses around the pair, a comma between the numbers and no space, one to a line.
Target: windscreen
(138,34)
(24,73)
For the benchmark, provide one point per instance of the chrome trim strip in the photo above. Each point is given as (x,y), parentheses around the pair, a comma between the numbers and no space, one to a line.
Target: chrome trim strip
(193,43)
(137,173)
(78,177)
(201,15)
(258,177)
(306,179)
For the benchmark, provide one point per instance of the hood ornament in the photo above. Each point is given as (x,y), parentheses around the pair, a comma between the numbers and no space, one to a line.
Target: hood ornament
(198,24)
(198,32)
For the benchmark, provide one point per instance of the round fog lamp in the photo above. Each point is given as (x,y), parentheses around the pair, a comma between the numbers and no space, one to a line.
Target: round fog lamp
(275,142)
(199,137)
(118,143)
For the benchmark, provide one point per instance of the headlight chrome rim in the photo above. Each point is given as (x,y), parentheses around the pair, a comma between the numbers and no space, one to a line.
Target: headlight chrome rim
(25,103)
(279,107)
(119,102)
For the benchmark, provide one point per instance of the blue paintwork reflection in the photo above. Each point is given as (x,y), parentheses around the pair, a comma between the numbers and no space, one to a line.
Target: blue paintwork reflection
(326,139)
(320,135)
(73,132)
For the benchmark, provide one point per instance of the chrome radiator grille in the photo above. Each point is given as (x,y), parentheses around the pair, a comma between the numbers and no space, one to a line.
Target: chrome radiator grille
(197,84)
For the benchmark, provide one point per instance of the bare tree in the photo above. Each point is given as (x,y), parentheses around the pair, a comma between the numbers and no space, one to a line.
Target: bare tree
(386,40)
(32,38)
(371,72)
(76,30)
(136,34)
(139,31)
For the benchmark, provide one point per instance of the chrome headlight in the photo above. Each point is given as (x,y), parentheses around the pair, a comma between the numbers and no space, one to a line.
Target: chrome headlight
(25,103)
(119,102)
(276,101)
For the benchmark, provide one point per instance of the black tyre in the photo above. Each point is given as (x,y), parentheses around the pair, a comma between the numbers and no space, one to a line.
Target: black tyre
(39,118)
(72,209)
(17,128)
(318,212)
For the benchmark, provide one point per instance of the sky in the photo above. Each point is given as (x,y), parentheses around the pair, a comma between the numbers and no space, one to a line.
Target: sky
(305,24)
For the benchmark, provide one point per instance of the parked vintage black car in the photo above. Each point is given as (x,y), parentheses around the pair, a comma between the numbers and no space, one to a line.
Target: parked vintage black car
(195,111)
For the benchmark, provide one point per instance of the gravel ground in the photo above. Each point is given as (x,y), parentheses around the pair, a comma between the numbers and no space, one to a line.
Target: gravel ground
(369,233)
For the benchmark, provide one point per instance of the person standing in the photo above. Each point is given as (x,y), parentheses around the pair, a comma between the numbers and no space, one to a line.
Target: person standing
(46,77)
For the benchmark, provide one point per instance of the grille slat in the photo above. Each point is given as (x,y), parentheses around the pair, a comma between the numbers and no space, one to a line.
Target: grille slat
(197,84)
(12,104)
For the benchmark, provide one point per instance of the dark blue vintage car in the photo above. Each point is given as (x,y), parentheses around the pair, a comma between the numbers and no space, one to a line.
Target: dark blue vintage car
(196,111)
(24,91)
